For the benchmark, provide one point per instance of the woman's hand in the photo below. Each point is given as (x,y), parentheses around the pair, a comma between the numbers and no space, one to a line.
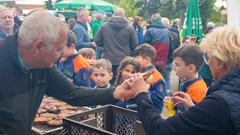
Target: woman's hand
(181,98)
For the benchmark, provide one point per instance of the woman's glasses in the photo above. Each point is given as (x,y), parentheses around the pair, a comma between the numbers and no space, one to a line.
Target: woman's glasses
(205,58)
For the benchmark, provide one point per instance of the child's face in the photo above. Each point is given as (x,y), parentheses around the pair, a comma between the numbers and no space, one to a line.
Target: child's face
(144,62)
(91,60)
(101,76)
(127,71)
(182,70)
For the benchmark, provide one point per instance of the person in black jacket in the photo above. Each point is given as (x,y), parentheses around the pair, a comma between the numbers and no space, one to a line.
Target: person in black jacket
(218,113)
(117,38)
(27,73)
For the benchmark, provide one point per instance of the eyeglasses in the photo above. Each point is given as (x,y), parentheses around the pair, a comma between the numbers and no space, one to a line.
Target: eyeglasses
(206,58)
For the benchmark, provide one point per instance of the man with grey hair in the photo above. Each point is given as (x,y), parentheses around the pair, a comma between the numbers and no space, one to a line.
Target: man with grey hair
(160,38)
(81,30)
(7,26)
(118,39)
(27,74)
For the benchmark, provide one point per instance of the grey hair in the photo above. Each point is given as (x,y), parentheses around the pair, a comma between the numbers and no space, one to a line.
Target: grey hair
(120,12)
(40,25)
(165,21)
(156,17)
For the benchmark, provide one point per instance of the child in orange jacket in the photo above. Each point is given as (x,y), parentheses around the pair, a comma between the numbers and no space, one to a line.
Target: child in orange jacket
(74,65)
(188,59)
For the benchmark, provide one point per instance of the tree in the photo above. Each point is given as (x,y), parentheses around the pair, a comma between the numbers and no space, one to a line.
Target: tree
(216,15)
(167,8)
(206,9)
(153,6)
(129,7)
(180,8)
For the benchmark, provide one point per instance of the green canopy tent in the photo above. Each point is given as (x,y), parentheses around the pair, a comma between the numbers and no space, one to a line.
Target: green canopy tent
(193,22)
(95,5)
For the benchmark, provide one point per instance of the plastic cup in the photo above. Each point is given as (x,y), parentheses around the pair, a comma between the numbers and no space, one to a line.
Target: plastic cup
(170,106)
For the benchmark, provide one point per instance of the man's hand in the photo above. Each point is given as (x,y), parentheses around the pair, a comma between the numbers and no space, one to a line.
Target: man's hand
(131,87)
(182,99)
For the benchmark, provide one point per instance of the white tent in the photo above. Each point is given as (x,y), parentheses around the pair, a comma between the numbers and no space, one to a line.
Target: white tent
(233,12)
(30,2)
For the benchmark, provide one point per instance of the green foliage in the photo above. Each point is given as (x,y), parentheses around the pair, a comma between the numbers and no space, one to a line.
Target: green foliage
(206,8)
(167,8)
(153,6)
(180,9)
(215,16)
(129,7)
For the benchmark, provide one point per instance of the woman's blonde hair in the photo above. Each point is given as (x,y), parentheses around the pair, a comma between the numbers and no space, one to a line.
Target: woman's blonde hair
(224,44)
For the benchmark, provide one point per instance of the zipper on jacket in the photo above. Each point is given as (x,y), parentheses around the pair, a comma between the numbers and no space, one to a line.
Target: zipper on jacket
(30,101)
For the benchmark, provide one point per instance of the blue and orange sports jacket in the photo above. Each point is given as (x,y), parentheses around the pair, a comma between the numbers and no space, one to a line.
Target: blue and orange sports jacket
(156,92)
(196,88)
(78,69)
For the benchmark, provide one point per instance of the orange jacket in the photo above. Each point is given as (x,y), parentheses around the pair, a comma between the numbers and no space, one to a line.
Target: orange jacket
(156,76)
(197,90)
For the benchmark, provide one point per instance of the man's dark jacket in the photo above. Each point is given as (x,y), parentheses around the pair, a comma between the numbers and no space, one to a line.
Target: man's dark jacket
(118,38)
(22,90)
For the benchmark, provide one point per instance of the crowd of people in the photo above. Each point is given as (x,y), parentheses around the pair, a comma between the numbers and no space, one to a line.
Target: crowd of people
(81,60)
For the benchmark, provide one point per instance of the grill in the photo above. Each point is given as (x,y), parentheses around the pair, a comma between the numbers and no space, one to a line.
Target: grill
(45,130)
(51,130)
(107,120)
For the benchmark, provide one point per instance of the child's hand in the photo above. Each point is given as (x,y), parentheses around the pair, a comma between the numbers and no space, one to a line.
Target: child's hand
(181,98)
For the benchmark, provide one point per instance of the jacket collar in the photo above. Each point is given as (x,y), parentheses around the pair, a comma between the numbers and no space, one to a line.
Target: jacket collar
(13,49)
(184,86)
(228,82)
(15,30)
(149,67)
(155,26)
(83,24)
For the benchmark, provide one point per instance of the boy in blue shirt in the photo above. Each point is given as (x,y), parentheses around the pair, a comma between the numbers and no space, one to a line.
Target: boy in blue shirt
(145,54)
(74,65)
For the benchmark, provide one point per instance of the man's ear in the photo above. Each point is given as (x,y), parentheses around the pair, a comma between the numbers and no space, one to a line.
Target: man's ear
(38,46)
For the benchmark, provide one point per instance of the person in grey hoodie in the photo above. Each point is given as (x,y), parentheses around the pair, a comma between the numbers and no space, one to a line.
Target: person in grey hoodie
(118,38)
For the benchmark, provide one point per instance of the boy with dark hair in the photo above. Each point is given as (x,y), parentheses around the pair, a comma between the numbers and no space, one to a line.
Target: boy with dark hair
(188,59)
(102,72)
(145,54)
(74,65)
